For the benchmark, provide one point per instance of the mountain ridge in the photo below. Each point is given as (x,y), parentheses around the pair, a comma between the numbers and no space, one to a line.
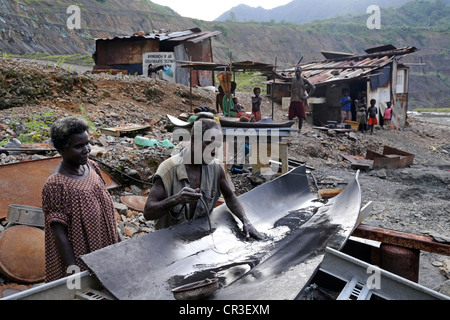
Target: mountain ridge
(316,10)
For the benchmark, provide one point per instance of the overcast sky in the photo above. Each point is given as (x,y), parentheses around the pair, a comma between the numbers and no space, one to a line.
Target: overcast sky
(209,10)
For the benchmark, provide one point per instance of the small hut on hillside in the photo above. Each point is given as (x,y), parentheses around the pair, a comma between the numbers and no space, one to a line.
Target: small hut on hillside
(133,54)
(378,72)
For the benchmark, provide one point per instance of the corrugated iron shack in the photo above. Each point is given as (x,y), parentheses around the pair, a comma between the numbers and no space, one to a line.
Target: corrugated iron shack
(125,53)
(378,74)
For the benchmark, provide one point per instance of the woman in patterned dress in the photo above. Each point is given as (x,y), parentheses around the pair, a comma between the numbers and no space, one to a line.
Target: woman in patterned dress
(79,211)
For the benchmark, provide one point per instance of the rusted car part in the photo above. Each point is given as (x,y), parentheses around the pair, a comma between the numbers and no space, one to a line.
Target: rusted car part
(406,240)
(26,215)
(397,252)
(401,261)
(197,290)
(22,254)
(298,228)
(391,158)
(21,183)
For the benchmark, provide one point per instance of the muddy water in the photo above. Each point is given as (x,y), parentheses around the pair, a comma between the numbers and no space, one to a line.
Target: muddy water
(437,118)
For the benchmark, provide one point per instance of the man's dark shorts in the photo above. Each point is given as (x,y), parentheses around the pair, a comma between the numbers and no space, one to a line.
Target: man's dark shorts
(297,109)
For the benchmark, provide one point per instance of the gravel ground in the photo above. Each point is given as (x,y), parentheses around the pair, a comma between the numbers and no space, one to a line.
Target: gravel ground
(413,199)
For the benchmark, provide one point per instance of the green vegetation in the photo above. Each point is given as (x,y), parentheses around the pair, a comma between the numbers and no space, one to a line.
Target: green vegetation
(414,20)
(78,59)
(248,80)
(417,18)
(37,128)
(164,10)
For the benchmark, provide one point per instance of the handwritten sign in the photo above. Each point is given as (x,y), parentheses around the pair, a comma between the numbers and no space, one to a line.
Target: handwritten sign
(166,59)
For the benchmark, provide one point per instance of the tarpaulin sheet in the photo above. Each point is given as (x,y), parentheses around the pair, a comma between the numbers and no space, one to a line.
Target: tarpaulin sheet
(298,228)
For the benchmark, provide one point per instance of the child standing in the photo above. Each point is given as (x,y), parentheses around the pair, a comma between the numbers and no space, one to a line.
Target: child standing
(361,112)
(388,115)
(256,104)
(346,104)
(373,111)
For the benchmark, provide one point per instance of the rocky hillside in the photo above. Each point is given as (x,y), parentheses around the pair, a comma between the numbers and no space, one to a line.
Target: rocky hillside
(40,26)
(30,26)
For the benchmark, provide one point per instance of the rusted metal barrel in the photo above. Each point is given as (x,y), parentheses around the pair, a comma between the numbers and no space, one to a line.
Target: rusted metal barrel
(22,254)
(401,261)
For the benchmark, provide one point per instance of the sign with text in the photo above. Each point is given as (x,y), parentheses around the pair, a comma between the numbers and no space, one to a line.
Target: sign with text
(164,60)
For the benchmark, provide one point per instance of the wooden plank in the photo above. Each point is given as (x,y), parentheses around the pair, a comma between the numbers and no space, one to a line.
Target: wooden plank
(117,132)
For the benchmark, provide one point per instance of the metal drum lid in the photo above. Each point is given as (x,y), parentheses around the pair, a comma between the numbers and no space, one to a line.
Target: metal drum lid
(136,203)
(22,254)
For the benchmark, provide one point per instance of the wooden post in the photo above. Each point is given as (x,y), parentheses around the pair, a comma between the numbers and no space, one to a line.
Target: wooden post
(190,82)
(273,85)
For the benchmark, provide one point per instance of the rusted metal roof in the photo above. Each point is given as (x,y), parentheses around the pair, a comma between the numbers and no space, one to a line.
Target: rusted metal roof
(196,37)
(347,67)
(192,35)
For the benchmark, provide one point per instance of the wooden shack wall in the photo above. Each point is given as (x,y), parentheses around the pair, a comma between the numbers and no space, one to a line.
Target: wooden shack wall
(124,53)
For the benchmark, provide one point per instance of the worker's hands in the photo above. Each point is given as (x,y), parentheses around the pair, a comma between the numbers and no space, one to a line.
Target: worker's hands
(250,231)
(188,195)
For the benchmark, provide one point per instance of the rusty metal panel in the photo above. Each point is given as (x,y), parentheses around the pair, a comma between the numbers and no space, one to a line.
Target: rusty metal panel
(391,158)
(401,261)
(407,240)
(21,183)
(124,51)
(201,51)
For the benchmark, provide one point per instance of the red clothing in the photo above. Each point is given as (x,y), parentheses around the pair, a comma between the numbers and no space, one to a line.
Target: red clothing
(257,115)
(243,114)
(388,113)
(297,109)
(86,209)
(373,121)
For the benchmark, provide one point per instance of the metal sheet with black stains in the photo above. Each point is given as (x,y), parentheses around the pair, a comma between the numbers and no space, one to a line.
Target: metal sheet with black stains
(298,228)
